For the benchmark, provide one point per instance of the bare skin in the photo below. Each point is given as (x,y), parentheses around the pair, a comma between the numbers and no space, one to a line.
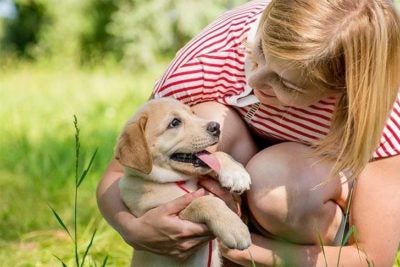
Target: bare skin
(376,221)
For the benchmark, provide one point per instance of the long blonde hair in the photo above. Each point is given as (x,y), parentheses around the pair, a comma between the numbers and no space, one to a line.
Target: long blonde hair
(348,45)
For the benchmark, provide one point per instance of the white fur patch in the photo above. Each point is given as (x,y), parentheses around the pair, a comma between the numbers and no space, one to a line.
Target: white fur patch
(161,175)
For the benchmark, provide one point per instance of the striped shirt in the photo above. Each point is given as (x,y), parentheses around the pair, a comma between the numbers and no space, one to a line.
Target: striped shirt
(212,67)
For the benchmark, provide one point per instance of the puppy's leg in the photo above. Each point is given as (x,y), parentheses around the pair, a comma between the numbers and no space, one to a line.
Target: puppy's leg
(223,222)
(232,174)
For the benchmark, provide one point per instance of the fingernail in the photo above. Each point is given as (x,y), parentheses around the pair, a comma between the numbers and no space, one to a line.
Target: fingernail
(199,192)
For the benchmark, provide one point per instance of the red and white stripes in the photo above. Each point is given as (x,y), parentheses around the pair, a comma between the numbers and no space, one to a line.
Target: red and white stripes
(390,140)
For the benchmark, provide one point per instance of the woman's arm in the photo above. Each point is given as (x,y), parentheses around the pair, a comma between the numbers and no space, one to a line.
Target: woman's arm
(159,230)
(375,212)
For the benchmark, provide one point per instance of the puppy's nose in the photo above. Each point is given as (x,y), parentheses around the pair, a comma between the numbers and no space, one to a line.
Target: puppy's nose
(213,128)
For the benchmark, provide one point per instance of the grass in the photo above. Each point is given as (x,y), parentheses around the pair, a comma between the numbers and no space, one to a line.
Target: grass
(37,157)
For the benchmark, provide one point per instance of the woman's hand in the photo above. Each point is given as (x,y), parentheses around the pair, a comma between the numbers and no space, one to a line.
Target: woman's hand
(232,201)
(260,253)
(161,231)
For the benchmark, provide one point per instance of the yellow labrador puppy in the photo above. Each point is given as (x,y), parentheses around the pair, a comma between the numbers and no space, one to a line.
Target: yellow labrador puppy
(162,148)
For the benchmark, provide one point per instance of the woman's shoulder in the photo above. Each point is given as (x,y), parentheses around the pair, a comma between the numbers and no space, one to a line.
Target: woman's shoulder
(217,48)
(229,30)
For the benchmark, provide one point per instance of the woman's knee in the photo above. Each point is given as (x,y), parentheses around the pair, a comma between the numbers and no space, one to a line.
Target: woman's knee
(235,138)
(284,198)
(274,186)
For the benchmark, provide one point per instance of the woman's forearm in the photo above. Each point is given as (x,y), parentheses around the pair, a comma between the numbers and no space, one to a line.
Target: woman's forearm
(268,252)
(159,230)
(109,201)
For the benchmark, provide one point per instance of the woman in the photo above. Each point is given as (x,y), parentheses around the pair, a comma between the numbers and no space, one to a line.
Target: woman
(312,108)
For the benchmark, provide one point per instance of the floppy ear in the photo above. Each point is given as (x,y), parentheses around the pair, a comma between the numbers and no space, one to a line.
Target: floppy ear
(132,150)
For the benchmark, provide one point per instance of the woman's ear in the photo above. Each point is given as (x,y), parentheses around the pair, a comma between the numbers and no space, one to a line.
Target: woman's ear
(132,150)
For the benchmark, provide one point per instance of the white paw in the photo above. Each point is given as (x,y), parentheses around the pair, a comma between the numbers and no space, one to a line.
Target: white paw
(235,178)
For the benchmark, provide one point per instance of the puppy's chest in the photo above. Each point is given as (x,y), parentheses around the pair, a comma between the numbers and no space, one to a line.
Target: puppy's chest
(140,195)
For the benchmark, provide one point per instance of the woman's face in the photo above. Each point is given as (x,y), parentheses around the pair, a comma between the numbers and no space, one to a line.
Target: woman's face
(274,83)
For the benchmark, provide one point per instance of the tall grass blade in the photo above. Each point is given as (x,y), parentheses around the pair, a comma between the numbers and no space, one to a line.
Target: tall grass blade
(61,222)
(88,247)
(85,172)
(77,154)
(253,264)
(60,260)
(321,243)
(77,148)
(104,261)
(346,219)
(349,233)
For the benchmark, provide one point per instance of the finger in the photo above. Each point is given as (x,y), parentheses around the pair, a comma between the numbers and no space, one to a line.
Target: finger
(178,204)
(191,229)
(234,255)
(233,202)
(193,246)
(194,242)
(213,186)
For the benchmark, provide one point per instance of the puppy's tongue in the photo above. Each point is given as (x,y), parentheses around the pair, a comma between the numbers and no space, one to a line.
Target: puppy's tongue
(209,159)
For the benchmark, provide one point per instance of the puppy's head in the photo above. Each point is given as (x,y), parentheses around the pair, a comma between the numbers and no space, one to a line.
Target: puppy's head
(167,134)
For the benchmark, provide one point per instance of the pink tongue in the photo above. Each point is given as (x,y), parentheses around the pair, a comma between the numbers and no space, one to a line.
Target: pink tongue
(210,160)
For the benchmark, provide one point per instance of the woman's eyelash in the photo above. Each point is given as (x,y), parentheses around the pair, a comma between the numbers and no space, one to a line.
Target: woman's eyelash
(279,80)
(259,48)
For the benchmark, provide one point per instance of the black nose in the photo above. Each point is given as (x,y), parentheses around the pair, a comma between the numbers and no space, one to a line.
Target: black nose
(213,128)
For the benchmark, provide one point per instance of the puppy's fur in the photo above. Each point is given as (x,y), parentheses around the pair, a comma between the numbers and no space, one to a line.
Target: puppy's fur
(156,148)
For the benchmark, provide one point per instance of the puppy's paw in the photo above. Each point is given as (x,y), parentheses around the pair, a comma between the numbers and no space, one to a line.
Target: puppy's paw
(232,174)
(234,234)
(235,178)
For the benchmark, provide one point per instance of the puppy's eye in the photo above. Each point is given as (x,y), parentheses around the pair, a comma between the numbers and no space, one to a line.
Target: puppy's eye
(174,123)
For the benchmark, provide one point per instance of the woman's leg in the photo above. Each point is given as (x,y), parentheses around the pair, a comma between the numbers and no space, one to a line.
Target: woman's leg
(285,198)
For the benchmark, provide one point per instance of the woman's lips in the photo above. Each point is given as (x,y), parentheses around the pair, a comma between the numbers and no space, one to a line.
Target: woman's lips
(264,94)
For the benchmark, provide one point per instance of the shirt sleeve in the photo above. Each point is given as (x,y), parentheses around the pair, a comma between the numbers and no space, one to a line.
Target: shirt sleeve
(211,77)
(390,140)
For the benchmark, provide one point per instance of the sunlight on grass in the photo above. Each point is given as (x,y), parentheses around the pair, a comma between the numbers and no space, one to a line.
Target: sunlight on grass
(37,156)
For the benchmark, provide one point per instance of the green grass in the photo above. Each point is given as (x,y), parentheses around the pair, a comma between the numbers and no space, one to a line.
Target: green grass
(38,152)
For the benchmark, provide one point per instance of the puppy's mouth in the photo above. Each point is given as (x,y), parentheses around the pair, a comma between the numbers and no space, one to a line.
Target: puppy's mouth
(190,158)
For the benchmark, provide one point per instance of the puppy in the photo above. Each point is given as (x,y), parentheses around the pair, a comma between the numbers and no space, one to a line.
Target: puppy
(162,148)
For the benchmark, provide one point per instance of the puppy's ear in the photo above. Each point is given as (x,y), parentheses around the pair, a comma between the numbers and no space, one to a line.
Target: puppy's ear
(132,150)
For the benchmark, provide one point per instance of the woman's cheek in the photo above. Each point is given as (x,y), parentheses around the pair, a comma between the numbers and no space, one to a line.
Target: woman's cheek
(294,100)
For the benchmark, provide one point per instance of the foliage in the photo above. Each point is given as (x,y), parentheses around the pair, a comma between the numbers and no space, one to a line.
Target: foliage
(79,178)
(135,32)
(96,39)
(146,30)
(22,34)
(37,157)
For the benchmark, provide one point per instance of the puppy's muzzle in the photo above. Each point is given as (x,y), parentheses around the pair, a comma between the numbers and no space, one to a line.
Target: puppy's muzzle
(214,128)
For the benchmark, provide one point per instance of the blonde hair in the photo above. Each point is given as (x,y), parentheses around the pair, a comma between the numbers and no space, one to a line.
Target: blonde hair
(347,45)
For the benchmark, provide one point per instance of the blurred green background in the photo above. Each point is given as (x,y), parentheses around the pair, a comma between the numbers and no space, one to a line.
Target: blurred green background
(97,59)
